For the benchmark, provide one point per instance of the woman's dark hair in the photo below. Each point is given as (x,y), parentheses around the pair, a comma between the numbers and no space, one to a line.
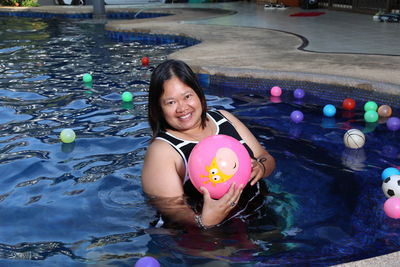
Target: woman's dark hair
(163,72)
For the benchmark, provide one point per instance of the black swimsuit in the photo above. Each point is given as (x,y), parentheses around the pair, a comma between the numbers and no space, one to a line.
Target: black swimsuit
(184,147)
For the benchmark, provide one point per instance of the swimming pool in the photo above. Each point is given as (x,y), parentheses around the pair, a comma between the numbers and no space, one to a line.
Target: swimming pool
(81,203)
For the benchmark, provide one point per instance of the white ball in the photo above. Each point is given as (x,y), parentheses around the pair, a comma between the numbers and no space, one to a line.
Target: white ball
(354,139)
(391,186)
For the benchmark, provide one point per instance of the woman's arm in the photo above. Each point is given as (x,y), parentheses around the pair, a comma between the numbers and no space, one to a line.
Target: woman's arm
(162,180)
(264,164)
(163,171)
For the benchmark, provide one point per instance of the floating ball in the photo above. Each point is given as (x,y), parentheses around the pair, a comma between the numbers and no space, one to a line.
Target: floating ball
(276,91)
(145,61)
(389,172)
(371,116)
(87,78)
(127,97)
(297,116)
(354,139)
(329,110)
(392,207)
(370,105)
(393,123)
(391,186)
(349,104)
(299,93)
(67,136)
(147,262)
(385,111)
(218,161)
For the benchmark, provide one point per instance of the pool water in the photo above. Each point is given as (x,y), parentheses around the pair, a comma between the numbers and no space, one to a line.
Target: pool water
(81,204)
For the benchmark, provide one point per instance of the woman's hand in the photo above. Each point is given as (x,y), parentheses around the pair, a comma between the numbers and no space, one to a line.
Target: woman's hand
(215,211)
(257,171)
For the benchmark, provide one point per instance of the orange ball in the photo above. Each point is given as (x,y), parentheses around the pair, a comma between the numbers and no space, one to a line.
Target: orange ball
(349,104)
(385,111)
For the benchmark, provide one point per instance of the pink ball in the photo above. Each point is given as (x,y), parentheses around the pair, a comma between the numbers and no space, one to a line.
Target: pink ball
(218,161)
(276,91)
(392,207)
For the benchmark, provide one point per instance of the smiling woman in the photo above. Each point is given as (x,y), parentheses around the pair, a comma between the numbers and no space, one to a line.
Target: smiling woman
(179,119)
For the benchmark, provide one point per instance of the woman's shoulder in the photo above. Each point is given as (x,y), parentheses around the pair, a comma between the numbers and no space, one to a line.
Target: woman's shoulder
(227,115)
(219,113)
(159,147)
(224,112)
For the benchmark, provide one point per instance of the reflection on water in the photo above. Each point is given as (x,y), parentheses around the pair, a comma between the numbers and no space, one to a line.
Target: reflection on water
(354,159)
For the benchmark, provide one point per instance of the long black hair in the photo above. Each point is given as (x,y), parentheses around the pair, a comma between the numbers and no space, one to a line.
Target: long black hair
(163,72)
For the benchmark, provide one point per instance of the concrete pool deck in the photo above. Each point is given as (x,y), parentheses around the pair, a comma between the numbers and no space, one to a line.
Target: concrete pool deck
(242,39)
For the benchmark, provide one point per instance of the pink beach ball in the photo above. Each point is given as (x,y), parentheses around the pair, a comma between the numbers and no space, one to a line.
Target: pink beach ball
(216,162)
(392,207)
(276,91)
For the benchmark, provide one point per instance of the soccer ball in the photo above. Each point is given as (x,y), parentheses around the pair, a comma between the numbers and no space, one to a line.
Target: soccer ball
(391,186)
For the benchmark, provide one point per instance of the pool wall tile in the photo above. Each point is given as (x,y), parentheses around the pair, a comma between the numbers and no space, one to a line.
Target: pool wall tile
(334,94)
(134,15)
(46,15)
(87,15)
(149,38)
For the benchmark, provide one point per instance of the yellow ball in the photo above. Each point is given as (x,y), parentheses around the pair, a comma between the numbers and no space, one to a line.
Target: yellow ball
(67,136)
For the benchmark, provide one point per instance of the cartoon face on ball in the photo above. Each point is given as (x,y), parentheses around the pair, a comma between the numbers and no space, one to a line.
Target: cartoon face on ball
(223,166)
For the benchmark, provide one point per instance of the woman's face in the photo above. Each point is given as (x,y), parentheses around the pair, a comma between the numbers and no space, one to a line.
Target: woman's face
(181,105)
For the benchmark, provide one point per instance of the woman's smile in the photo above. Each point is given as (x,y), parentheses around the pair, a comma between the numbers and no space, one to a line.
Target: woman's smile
(185,117)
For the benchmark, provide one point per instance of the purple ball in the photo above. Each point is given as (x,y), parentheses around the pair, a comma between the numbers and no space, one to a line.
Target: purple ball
(298,93)
(393,123)
(297,116)
(147,262)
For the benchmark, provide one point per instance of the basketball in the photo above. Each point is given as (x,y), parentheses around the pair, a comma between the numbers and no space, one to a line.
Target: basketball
(354,139)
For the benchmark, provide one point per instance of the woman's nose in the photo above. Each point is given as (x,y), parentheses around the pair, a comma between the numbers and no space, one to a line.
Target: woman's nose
(181,106)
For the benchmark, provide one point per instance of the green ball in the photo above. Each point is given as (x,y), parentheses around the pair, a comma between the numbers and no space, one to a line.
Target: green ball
(87,78)
(370,105)
(127,97)
(67,136)
(371,116)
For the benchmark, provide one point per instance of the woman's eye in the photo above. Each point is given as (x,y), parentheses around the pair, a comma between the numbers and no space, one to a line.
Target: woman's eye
(170,102)
(188,96)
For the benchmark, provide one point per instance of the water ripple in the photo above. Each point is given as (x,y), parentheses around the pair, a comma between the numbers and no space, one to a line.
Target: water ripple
(97,177)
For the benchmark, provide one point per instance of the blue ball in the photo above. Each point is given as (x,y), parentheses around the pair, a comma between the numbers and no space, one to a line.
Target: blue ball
(298,93)
(329,110)
(389,172)
(297,116)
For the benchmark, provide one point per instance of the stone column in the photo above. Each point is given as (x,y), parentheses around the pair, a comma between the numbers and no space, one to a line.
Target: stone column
(99,10)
